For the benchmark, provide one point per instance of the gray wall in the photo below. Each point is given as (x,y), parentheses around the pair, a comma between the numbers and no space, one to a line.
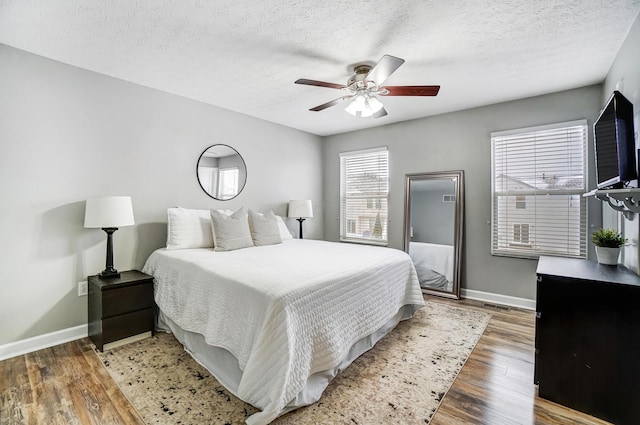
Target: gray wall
(461,141)
(68,134)
(624,76)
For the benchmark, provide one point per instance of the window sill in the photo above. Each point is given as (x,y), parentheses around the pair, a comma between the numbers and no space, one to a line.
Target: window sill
(520,245)
(365,242)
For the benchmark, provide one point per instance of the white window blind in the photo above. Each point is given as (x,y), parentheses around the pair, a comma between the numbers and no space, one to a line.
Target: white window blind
(538,178)
(228,182)
(364,196)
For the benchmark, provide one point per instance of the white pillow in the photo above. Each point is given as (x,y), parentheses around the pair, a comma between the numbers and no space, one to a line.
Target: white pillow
(284,230)
(231,232)
(264,228)
(285,234)
(189,228)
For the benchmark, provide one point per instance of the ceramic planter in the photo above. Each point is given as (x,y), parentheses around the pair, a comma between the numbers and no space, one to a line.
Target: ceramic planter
(607,255)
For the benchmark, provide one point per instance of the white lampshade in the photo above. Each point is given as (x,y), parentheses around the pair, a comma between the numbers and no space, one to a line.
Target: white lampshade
(364,105)
(300,209)
(356,106)
(375,104)
(109,211)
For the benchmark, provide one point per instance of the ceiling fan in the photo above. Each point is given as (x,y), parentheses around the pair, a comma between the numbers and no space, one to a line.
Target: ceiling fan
(365,84)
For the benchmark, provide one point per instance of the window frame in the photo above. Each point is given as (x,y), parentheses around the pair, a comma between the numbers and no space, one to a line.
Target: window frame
(509,247)
(521,202)
(224,175)
(520,231)
(381,199)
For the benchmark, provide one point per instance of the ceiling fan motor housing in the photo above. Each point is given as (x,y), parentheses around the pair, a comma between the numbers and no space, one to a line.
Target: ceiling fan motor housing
(360,72)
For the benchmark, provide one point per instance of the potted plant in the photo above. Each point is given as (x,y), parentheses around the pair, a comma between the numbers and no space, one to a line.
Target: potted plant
(608,243)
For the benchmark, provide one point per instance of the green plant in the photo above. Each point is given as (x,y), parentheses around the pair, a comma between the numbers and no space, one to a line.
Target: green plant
(607,238)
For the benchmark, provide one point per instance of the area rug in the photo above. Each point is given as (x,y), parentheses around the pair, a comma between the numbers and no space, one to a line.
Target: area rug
(401,380)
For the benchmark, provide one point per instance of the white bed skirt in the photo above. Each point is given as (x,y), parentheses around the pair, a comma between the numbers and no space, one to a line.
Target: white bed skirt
(224,366)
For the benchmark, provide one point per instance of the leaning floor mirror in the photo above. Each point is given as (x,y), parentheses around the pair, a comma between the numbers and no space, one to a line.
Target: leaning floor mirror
(433,222)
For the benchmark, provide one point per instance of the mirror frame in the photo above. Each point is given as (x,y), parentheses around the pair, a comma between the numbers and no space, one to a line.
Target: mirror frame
(241,185)
(458,224)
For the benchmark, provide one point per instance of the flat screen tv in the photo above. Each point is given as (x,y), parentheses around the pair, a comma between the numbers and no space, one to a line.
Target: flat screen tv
(615,148)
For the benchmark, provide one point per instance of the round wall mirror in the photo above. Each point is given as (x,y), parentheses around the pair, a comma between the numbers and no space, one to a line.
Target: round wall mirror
(222,172)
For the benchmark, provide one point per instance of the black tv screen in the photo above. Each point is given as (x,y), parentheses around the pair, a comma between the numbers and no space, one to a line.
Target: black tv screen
(615,148)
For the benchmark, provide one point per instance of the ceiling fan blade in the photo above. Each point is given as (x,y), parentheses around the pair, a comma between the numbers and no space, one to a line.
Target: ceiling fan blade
(381,113)
(385,67)
(330,104)
(411,90)
(320,84)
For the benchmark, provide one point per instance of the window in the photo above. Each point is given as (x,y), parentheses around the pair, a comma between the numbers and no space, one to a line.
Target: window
(364,196)
(521,233)
(228,183)
(374,203)
(538,178)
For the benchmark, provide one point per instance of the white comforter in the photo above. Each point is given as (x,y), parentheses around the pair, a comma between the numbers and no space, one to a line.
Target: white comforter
(285,311)
(438,258)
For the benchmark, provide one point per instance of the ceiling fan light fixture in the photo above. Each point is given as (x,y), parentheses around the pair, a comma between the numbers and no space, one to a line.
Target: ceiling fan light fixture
(364,106)
(374,104)
(356,106)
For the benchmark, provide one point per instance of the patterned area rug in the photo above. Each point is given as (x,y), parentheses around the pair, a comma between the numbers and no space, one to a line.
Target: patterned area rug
(401,380)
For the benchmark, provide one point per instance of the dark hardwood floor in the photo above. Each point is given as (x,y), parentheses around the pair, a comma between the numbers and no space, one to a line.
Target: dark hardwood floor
(67,384)
(496,384)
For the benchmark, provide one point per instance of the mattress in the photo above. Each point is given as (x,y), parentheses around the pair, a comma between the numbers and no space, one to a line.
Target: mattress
(284,312)
(436,257)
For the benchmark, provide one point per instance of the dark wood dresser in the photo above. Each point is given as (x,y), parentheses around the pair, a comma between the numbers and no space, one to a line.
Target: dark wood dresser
(120,307)
(588,338)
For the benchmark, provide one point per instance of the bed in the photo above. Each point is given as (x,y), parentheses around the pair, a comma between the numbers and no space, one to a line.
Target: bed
(433,263)
(274,324)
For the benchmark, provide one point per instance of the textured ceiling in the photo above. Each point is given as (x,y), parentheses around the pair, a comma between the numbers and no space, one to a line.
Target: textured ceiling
(245,55)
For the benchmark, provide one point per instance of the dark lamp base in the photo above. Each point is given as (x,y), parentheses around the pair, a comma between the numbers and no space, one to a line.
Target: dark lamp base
(110,274)
(300,220)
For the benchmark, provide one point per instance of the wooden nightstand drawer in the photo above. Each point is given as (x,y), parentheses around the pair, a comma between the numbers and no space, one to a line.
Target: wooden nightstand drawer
(119,327)
(127,299)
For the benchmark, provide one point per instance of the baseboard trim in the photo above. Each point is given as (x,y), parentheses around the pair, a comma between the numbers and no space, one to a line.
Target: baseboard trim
(523,303)
(124,341)
(39,342)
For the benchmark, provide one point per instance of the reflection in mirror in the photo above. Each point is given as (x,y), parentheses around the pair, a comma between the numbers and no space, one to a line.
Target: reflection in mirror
(221,172)
(434,204)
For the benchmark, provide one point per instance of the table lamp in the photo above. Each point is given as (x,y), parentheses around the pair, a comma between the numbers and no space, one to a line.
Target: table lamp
(109,213)
(301,210)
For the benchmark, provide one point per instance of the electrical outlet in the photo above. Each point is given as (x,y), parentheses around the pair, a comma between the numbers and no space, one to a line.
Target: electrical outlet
(83,288)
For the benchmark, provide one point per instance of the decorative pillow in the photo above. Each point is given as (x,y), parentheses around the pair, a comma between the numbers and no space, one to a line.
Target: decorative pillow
(284,230)
(189,228)
(264,228)
(231,232)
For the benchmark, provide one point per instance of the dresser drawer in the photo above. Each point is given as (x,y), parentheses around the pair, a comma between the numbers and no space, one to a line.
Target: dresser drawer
(127,299)
(123,326)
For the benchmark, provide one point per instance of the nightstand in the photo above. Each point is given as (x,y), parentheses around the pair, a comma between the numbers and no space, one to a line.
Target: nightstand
(120,309)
